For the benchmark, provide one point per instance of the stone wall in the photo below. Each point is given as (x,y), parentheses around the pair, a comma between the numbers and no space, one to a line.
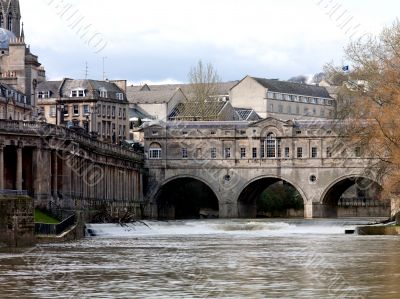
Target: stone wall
(17,223)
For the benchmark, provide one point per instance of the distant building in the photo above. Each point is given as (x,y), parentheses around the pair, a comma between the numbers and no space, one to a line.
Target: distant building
(100,107)
(283,100)
(19,68)
(13,104)
(164,101)
(158,103)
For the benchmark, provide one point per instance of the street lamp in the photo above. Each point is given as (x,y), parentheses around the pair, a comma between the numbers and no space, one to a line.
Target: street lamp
(87,124)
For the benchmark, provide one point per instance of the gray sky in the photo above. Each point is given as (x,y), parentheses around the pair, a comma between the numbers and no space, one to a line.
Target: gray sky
(158,40)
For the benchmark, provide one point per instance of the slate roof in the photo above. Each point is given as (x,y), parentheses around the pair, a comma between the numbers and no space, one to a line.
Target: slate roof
(92,88)
(137,112)
(195,110)
(52,86)
(247,114)
(150,97)
(223,88)
(293,88)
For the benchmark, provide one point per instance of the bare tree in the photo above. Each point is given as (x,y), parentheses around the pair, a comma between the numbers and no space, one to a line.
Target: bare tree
(371,96)
(204,91)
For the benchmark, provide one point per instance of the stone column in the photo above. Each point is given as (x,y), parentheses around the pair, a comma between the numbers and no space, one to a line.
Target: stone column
(19,168)
(54,169)
(1,166)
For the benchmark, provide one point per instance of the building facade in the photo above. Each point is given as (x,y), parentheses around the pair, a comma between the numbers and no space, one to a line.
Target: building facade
(100,107)
(283,100)
(239,160)
(19,68)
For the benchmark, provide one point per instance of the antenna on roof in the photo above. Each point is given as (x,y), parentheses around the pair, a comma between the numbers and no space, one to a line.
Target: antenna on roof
(86,70)
(104,69)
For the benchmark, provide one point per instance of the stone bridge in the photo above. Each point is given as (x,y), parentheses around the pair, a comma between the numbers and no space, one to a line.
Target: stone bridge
(236,161)
(64,170)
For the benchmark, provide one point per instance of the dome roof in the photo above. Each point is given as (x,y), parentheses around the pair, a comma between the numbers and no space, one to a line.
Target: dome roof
(5,37)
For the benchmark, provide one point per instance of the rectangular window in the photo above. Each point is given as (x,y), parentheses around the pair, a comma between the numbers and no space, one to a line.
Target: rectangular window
(213,153)
(314,152)
(280,108)
(85,109)
(287,152)
(243,153)
(81,93)
(184,153)
(113,111)
(99,128)
(103,93)
(66,110)
(289,109)
(120,113)
(53,111)
(254,153)
(297,109)
(227,153)
(76,110)
(328,152)
(120,96)
(124,113)
(271,107)
(299,152)
(108,111)
(155,153)
(104,110)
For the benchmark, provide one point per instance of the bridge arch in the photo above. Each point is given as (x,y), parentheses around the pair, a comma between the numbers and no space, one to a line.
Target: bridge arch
(187,197)
(248,195)
(354,195)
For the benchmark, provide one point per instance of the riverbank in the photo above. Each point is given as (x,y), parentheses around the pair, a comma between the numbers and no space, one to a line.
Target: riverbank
(379,230)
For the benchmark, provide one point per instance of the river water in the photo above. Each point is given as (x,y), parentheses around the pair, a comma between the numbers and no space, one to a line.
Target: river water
(209,259)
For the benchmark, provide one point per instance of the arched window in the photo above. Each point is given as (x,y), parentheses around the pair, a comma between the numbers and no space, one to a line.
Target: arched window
(271,146)
(10,22)
(155,151)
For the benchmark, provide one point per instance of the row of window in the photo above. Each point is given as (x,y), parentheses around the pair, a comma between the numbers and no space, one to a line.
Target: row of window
(79,93)
(110,111)
(306,111)
(301,99)
(106,111)
(9,21)
(268,152)
(75,110)
(108,129)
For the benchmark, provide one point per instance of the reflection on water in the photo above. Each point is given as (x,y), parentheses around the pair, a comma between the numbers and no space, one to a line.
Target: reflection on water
(209,259)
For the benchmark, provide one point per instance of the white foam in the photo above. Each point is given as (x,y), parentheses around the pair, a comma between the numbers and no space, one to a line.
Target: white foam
(221,227)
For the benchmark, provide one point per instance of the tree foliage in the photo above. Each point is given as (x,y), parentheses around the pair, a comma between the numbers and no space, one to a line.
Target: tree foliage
(370,101)
(279,198)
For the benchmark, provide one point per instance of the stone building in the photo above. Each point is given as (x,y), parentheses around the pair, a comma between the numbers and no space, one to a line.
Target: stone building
(237,161)
(19,68)
(157,103)
(164,101)
(100,107)
(13,104)
(283,100)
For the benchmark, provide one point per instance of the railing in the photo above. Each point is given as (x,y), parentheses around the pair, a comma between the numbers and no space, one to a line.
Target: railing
(54,229)
(48,130)
(361,202)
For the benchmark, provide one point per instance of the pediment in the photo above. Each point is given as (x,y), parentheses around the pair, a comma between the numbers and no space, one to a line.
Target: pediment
(274,125)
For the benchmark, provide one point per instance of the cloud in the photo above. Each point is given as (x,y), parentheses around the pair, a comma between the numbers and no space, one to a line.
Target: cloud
(158,40)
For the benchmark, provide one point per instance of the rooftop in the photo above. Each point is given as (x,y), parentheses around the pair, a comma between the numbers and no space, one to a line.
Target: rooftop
(293,88)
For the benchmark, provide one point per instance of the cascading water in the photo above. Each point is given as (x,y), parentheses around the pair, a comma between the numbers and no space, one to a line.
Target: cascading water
(256,228)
